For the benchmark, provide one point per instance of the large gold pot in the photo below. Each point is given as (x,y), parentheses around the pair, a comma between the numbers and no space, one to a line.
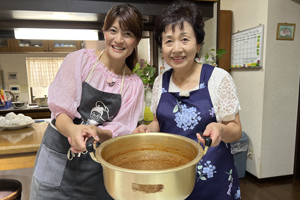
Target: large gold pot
(158,157)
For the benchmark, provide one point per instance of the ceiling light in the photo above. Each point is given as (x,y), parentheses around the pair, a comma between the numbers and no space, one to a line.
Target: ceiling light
(55,34)
(60,16)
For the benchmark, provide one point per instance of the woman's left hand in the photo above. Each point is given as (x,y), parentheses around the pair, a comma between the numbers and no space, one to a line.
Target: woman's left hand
(214,131)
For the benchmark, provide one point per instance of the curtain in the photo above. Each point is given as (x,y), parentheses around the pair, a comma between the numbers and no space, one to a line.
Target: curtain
(41,71)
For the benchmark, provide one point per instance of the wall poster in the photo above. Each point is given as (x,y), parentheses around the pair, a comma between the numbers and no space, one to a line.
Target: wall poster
(247,48)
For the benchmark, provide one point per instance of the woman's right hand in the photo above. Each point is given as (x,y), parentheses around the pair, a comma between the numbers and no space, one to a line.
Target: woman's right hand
(142,129)
(78,135)
(152,127)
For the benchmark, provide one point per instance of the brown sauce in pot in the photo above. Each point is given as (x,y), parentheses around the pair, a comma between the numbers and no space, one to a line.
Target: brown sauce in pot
(150,158)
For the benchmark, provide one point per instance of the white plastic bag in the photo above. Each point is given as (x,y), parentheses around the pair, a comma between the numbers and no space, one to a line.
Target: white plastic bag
(239,147)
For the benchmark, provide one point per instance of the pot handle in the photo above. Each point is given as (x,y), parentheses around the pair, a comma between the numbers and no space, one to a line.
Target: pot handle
(90,147)
(90,144)
(207,140)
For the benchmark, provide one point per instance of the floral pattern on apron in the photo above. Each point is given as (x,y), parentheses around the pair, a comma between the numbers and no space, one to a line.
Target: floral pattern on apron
(216,174)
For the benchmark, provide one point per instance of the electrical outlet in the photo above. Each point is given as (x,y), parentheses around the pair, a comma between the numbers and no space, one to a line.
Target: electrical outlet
(250,154)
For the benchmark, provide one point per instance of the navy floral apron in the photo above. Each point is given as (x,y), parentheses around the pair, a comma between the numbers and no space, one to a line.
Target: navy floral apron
(79,177)
(216,174)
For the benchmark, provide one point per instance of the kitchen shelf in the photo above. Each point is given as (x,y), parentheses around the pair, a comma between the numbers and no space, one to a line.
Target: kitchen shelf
(30,46)
(6,45)
(244,68)
(64,46)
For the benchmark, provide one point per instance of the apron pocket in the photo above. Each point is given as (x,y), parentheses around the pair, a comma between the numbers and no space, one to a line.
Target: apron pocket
(50,166)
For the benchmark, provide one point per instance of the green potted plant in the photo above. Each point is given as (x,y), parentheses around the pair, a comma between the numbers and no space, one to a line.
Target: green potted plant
(214,57)
(146,72)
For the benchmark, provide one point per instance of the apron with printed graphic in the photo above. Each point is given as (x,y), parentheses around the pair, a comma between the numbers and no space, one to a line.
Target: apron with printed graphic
(216,175)
(79,177)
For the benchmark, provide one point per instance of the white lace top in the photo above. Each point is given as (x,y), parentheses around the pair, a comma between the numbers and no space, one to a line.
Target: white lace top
(222,91)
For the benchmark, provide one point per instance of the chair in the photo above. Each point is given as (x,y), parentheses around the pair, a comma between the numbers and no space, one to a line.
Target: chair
(10,189)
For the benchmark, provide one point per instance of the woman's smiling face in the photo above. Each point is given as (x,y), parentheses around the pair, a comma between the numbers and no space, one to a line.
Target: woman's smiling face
(179,47)
(119,43)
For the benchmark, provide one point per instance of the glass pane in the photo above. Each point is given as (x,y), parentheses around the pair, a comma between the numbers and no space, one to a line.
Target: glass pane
(30,43)
(64,43)
(3,43)
(39,92)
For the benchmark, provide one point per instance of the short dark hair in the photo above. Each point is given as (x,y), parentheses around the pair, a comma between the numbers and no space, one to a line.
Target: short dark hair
(176,14)
(130,19)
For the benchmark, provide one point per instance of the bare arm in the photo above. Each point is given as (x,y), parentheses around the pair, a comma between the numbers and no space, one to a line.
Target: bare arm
(228,131)
(152,127)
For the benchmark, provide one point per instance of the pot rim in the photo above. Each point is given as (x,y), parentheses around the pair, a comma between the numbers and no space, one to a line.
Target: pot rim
(113,167)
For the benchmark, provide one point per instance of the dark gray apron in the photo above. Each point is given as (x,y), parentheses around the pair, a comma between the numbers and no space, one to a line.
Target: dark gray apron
(79,177)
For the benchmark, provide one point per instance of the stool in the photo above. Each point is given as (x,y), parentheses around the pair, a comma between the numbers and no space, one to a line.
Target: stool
(10,189)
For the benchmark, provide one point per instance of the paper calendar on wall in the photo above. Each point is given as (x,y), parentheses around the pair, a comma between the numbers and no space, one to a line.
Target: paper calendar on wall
(247,48)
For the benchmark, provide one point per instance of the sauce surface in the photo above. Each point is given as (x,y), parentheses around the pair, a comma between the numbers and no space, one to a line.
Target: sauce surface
(149,159)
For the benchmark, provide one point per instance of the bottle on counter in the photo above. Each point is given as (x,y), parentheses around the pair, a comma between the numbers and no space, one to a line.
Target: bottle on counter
(148,115)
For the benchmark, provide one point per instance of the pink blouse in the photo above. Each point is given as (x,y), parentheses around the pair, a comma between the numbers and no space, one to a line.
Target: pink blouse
(64,93)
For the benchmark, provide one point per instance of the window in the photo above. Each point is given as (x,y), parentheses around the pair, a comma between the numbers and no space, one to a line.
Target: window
(41,72)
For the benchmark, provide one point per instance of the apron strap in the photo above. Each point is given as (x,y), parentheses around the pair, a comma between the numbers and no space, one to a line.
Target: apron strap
(86,80)
(123,79)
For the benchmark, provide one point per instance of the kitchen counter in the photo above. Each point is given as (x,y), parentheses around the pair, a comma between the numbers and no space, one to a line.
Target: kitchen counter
(18,148)
(33,112)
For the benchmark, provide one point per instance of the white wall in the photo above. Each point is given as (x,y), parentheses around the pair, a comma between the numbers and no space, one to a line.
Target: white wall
(269,96)
(281,92)
(210,34)
(144,50)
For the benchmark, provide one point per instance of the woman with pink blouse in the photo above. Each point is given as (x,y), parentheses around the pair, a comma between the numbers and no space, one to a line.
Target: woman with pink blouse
(94,94)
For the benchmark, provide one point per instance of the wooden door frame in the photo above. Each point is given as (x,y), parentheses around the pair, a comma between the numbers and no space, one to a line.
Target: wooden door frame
(297,148)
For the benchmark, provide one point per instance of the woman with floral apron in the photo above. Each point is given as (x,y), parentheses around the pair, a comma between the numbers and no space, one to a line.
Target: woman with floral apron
(107,103)
(192,97)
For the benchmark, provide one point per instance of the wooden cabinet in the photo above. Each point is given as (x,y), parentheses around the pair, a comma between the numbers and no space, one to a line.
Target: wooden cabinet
(18,147)
(6,45)
(63,45)
(38,113)
(46,45)
(225,38)
(30,45)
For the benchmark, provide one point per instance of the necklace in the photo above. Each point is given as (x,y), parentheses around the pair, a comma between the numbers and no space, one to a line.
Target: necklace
(111,81)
